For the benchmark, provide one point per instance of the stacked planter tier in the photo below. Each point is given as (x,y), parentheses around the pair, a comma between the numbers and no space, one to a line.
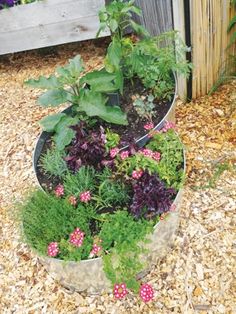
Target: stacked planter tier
(88,275)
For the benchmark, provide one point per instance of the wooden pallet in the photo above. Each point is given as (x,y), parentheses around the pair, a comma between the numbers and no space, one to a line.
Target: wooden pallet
(48,23)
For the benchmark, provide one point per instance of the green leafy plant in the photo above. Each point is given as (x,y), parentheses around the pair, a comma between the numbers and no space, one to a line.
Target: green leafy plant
(111,192)
(145,107)
(86,94)
(83,180)
(169,168)
(117,17)
(47,218)
(154,60)
(112,139)
(53,163)
(122,235)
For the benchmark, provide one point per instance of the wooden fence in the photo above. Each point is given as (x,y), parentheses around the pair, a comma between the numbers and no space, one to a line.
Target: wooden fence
(209,22)
(52,22)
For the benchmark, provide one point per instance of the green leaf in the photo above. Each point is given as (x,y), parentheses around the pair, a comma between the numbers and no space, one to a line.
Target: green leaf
(114,54)
(65,122)
(101,29)
(139,29)
(49,123)
(113,25)
(136,10)
(70,73)
(231,23)
(44,83)
(53,98)
(100,81)
(94,104)
(63,138)
(75,66)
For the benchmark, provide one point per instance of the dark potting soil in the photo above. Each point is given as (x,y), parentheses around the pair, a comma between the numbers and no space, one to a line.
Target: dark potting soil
(128,134)
(135,128)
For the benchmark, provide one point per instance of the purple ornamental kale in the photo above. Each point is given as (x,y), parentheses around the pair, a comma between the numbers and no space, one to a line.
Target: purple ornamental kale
(87,148)
(151,197)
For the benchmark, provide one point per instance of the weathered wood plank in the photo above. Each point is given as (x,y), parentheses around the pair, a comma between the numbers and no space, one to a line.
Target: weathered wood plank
(48,23)
(179,25)
(157,15)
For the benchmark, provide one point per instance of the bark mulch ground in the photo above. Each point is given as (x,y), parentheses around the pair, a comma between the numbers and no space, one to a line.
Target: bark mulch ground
(197,275)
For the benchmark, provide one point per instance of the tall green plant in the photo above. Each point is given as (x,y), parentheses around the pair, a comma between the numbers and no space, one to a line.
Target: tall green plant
(87,94)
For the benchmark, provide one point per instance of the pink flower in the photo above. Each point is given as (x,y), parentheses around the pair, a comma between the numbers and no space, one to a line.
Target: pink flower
(168,125)
(146,292)
(72,200)
(172,208)
(77,237)
(85,197)
(120,291)
(96,248)
(137,174)
(146,152)
(124,154)
(148,126)
(59,190)
(114,152)
(156,156)
(53,249)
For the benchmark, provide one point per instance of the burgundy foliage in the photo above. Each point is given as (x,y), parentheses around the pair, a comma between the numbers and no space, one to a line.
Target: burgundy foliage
(87,148)
(151,197)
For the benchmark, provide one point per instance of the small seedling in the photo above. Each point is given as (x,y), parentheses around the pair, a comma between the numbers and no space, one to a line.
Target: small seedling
(145,106)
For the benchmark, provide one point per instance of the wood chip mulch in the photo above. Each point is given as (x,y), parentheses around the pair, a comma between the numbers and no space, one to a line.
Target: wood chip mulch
(198,273)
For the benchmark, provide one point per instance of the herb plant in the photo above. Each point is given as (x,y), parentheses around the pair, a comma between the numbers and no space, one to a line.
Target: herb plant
(121,235)
(145,107)
(53,163)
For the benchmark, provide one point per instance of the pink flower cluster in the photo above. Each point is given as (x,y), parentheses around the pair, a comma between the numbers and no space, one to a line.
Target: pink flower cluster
(53,249)
(137,174)
(59,190)
(96,249)
(124,154)
(77,237)
(146,292)
(114,152)
(149,153)
(85,197)
(148,126)
(72,200)
(168,125)
(120,290)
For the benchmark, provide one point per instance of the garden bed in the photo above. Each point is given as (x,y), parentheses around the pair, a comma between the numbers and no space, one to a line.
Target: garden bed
(200,261)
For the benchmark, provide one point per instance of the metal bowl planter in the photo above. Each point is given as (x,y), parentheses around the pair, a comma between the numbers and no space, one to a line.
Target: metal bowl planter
(88,275)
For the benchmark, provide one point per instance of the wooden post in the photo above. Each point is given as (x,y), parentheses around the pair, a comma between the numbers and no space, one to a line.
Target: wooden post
(179,25)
